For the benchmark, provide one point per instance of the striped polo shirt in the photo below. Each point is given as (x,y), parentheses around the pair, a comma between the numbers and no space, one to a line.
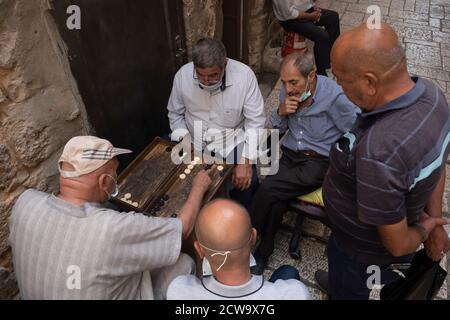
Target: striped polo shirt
(385,169)
(62,251)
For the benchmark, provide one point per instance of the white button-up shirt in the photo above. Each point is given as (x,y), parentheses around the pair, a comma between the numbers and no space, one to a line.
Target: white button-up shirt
(239,106)
(290,9)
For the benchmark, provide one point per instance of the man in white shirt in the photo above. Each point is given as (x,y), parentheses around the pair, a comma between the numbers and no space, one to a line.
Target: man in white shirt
(306,19)
(224,240)
(214,94)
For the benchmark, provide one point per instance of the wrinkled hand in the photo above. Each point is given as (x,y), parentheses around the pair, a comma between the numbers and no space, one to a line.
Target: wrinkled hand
(242,176)
(290,106)
(202,181)
(438,244)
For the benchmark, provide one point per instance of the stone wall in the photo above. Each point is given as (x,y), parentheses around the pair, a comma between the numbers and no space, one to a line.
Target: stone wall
(40,110)
(262,28)
(204,18)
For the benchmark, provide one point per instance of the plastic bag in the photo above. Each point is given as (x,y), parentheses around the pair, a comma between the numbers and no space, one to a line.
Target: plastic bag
(422,281)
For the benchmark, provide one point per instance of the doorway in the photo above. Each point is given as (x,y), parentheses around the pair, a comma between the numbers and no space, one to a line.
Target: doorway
(124,59)
(235,17)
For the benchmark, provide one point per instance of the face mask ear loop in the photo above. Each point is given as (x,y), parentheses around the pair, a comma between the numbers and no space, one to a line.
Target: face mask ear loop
(223,253)
(116,188)
(226,253)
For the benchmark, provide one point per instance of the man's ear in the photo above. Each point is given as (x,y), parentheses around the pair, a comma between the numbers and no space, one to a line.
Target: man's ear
(199,249)
(372,83)
(102,182)
(254,237)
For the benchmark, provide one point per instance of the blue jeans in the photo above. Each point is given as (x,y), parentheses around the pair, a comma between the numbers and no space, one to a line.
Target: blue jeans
(285,273)
(347,278)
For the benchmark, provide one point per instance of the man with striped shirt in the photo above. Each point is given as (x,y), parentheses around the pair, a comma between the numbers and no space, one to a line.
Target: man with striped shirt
(384,189)
(67,246)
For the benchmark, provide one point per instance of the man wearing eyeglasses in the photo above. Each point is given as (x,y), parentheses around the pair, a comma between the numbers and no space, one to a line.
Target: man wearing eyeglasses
(215,104)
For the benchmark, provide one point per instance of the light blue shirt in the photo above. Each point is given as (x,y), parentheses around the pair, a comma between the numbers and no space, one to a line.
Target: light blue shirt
(319,126)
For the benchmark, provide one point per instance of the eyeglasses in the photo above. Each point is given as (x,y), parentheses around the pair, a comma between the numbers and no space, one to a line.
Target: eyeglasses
(211,78)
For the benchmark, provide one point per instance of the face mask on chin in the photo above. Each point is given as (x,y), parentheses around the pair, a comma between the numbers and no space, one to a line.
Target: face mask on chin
(306,93)
(214,87)
(211,88)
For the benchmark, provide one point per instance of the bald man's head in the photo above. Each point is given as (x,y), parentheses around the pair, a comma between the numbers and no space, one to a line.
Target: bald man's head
(363,49)
(367,62)
(224,225)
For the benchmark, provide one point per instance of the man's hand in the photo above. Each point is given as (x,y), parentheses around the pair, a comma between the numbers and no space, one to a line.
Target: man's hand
(431,223)
(438,244)
(316,15)
(202,181)
(289,107)
(402,239)
(242,176)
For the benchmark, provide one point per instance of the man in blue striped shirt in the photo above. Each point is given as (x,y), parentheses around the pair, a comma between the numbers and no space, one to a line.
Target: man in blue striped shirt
(316,112)
(383,192)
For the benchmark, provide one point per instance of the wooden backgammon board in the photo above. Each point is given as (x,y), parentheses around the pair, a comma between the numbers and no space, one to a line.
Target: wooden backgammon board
(152,184)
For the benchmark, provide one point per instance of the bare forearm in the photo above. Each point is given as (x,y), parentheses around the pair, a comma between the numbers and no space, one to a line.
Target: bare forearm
(434,205)
(415,240)
(191,208)
(401,239)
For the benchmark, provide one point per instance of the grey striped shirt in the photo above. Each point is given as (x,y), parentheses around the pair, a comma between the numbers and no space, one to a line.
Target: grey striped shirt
(62,251)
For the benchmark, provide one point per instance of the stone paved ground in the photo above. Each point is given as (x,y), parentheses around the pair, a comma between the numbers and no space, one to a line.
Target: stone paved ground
(424,28)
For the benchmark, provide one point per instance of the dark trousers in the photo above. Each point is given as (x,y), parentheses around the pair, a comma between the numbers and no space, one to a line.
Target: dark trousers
(323,39)
(298,175)
(245,197)
(347,278)
(285,273)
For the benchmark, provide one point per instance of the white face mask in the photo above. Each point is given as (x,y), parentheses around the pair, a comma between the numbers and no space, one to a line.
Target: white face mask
(214,87)
(116,189)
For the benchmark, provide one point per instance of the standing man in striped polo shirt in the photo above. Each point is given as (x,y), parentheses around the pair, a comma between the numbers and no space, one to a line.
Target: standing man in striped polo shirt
(384,189)
(67,246)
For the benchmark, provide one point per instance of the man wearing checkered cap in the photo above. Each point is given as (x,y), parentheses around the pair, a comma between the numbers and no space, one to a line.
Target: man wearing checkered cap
(68,246)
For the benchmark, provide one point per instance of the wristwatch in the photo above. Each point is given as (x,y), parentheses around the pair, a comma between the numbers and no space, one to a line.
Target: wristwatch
(422,231)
